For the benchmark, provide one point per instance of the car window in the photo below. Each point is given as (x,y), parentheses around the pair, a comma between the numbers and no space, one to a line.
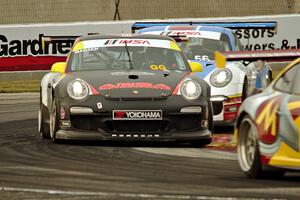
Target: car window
(238,44)
(285,82)
(128,57)
(296,80)
(197,48)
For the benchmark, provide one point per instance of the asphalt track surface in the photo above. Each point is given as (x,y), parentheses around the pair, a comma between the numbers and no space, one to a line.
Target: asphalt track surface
(32,168)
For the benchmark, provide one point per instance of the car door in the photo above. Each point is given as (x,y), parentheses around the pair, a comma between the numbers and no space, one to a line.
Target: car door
(289,117)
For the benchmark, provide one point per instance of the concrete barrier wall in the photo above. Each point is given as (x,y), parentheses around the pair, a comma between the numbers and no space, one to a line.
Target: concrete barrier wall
(45,11)
(14,57)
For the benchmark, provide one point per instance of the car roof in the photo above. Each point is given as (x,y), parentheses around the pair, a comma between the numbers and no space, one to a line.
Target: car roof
(186,28)
(125,36)
(217,29)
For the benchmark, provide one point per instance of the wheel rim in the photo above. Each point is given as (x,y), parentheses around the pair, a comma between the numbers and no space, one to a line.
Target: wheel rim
(247,144)
(53,121)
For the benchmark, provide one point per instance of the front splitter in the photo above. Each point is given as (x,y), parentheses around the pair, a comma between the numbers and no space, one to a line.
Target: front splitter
(175,136)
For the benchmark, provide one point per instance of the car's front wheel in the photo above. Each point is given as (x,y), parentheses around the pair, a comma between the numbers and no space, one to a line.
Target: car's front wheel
(43,125)
(53,120)
(43,120)
(248,152)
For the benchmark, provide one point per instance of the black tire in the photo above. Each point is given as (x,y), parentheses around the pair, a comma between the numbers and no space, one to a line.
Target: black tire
(43,125)
(248,152)
(210,117)
(53,122)
(200,143)
(245,89)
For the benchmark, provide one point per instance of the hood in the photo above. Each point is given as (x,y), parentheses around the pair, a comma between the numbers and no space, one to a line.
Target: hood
(208,67)
(131,83)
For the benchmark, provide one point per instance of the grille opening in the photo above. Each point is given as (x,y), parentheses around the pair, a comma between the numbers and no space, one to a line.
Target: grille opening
(137,126)
(217,107)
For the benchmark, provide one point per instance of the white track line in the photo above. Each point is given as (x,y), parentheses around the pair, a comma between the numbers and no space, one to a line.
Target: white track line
(190,152)
(128,195)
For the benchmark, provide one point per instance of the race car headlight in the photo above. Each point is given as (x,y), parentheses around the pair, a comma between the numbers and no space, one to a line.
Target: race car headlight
(190,89)
(78,89)
(221,77)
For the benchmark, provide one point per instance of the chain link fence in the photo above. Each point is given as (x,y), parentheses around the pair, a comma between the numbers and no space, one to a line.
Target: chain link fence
(47,11)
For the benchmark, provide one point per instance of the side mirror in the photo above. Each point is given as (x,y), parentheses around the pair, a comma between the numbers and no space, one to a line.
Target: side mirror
(59,67)
(196,67)
(220,60)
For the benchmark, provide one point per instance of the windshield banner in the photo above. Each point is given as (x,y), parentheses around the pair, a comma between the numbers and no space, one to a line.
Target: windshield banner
(92,45)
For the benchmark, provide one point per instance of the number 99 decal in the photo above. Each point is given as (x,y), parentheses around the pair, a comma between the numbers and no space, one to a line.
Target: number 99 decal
(158,67)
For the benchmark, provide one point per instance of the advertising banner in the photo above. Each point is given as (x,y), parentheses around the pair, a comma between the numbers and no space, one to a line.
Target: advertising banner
(21,47)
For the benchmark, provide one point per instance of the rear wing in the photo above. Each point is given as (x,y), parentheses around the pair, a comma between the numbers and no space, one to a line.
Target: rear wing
(272,25)
(251,56)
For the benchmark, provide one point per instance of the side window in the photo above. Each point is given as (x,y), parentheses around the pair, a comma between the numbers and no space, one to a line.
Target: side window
(238,44)
(296,81)
(285,82)
(75,62)
(226,43)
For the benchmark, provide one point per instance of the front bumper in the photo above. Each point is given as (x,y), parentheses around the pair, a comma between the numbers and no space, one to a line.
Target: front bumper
(99,124)
(92,135)
(225,110)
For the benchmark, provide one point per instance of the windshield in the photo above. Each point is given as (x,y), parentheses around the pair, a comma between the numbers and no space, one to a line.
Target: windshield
(128,56)
(196,48)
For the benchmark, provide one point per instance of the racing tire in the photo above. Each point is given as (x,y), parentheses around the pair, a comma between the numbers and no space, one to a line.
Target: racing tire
(210,117)
(200,143)
(249,157)
(245,89)
(44,128)
(43,116)
(53,122)
(247,150)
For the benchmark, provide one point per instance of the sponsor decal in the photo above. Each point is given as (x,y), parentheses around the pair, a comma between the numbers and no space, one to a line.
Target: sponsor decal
(90,45)
(174,33)
(159,86)
(87,50)
(158,67)
(137,115)
(126,41)
(267,120)
(99,105)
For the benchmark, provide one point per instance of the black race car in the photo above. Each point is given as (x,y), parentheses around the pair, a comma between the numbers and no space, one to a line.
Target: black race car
(133,87)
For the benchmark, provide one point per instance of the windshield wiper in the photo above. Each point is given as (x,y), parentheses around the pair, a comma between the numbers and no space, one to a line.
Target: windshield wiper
(129,57)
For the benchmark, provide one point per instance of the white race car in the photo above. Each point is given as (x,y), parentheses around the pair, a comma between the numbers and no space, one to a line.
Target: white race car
(229,85)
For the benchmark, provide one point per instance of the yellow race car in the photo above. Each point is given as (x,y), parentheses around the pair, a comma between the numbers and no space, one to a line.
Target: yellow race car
(267,129)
